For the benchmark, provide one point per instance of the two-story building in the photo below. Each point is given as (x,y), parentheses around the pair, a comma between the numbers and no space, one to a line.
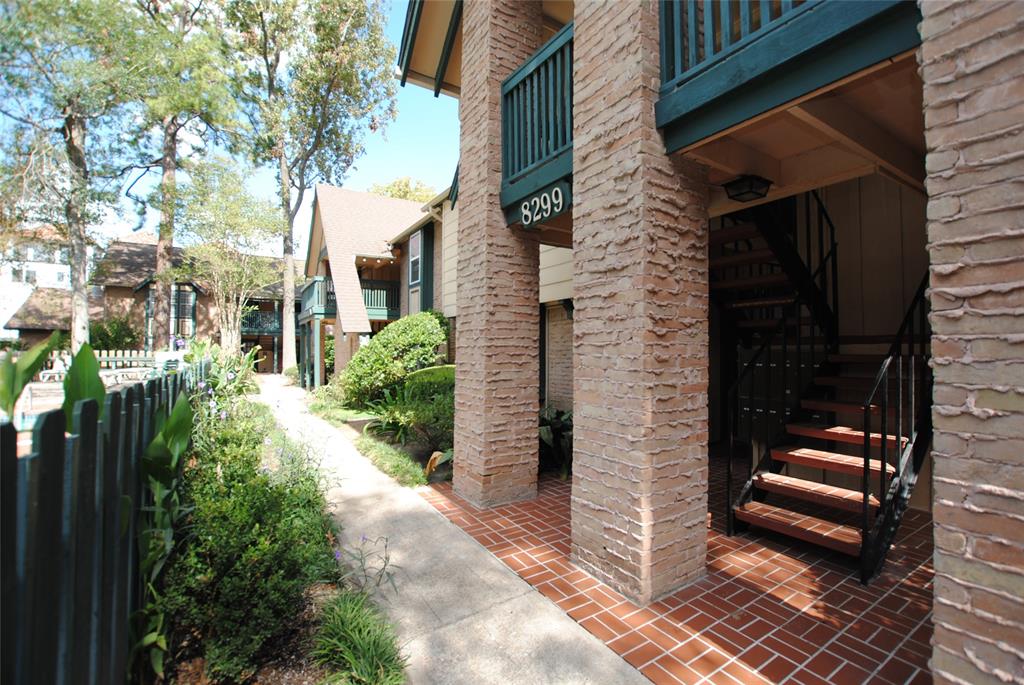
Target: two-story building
(795,242)
(33,258)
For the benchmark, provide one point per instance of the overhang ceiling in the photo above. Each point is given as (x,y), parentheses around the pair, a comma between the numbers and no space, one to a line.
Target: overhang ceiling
(431,49)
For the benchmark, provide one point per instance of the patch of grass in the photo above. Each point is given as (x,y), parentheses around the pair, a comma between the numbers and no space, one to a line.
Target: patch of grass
(337,414)
(392,461)
(357,640)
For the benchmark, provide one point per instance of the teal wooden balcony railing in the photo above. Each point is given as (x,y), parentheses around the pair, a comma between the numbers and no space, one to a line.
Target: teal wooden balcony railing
(318,297)
(536,130)
(381,299)
(725,62)
(261,323)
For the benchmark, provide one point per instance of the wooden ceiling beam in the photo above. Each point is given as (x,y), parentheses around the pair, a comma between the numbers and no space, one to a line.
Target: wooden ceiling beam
(859,134)
(736,159)
(809,170)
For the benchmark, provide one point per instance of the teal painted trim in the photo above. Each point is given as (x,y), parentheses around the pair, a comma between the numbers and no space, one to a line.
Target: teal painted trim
(514,215)
(453,193)
(545,51)
(382,314)
(318,378)
(412,25)
(888,34)
(537,178)
(427,268)
(449,43)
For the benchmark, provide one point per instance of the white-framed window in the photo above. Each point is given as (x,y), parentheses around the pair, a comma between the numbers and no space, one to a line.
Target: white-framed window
(415,261)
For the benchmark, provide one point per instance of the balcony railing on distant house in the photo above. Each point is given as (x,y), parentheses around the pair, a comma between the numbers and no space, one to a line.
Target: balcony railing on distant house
(261,323)
(725,62)
(536,133)
(381,299)
(318,297)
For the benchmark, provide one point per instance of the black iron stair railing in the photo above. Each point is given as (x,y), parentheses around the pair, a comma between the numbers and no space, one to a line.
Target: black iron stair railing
(903,376)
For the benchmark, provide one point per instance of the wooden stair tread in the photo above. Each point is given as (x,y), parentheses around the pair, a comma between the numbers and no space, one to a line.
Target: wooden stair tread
(829,461)
(811,491)
(761,302)
(844,434)
(858,382)
(841,538)
(731,234)
(842,407)
(751,282)
(742,259)
(759,323)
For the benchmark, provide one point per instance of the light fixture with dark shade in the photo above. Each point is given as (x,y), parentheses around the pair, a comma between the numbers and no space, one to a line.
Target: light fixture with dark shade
(746,188)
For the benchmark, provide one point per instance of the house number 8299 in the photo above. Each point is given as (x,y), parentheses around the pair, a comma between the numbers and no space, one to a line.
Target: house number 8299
(542,206)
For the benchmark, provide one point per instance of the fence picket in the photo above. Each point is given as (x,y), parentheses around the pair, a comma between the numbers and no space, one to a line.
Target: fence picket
(8,532)
(86,427)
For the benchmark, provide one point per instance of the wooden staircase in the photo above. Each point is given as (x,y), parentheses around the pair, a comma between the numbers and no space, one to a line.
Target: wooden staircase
(840,425)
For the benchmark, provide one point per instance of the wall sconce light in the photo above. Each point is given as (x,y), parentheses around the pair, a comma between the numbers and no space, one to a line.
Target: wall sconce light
(746,188)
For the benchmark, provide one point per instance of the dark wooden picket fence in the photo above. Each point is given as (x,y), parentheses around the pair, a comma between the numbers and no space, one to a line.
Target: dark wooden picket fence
(69,556)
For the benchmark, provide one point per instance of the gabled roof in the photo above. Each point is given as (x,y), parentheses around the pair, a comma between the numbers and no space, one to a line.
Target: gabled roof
(131,264)
(48,309)
(356,223)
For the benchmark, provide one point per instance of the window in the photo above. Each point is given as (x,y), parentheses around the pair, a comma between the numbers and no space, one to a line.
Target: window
(414,258)
(17,275)
(414,301)
(60,276)
(30,276)
(183,311)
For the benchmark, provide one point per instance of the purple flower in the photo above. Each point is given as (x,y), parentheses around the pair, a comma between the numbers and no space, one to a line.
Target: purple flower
(337,555)
(213,404)
(223,414)
(267,441)
(210,390)
(363,538)
(231,375)
(179,343)
(202,384)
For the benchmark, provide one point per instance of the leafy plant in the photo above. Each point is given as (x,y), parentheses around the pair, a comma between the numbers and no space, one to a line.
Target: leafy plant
(410,415)
(409,344)
(115,333)
(15,375)
(329,355)
(356,639)
(369,565)
(292,374)
(159,521)
(82,382)
(556,439)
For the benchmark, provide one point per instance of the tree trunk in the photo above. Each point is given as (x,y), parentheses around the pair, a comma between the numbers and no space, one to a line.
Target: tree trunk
(74,211)
(165,241)
(288,282)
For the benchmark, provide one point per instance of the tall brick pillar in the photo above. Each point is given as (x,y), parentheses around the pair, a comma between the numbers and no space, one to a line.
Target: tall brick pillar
(972,65)
(497,354)
(640,320)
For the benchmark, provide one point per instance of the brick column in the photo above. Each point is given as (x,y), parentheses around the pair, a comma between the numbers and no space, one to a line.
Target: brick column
(971,65)
(641,318)
(497,373)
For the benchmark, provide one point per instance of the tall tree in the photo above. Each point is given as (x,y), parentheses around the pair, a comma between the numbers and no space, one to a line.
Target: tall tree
(405,188)
(68,68)
(317,77)
(190,100)
(226,226)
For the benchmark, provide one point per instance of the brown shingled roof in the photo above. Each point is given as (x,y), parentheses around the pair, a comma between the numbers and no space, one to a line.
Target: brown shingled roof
(48,309)
(357,223)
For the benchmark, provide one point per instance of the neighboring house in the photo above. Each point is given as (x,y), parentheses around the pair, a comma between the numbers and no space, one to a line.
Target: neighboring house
(45,311)
(769,206)
(125,276)
(34,258)
(354,284)
(121,287)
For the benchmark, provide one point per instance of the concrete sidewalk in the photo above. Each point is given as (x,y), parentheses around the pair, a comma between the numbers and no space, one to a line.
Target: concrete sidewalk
(462,616)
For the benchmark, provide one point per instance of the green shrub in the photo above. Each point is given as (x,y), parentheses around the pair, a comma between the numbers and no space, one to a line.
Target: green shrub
(392,461)
(433,380)
(329,355)
(355,639)
(257,539)
(402,347)
(292,374)
(115,333)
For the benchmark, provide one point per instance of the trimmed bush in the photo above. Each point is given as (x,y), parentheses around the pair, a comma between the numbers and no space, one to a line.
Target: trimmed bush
(404,346)
(434,380)
(115,333)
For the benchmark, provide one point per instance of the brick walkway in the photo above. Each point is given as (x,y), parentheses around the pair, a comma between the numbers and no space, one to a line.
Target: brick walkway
(769,610)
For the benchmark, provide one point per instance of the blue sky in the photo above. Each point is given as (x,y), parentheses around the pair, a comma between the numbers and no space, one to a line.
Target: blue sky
(422,142)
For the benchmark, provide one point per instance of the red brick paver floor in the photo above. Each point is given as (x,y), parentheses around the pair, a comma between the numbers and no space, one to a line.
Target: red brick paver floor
(769,610)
